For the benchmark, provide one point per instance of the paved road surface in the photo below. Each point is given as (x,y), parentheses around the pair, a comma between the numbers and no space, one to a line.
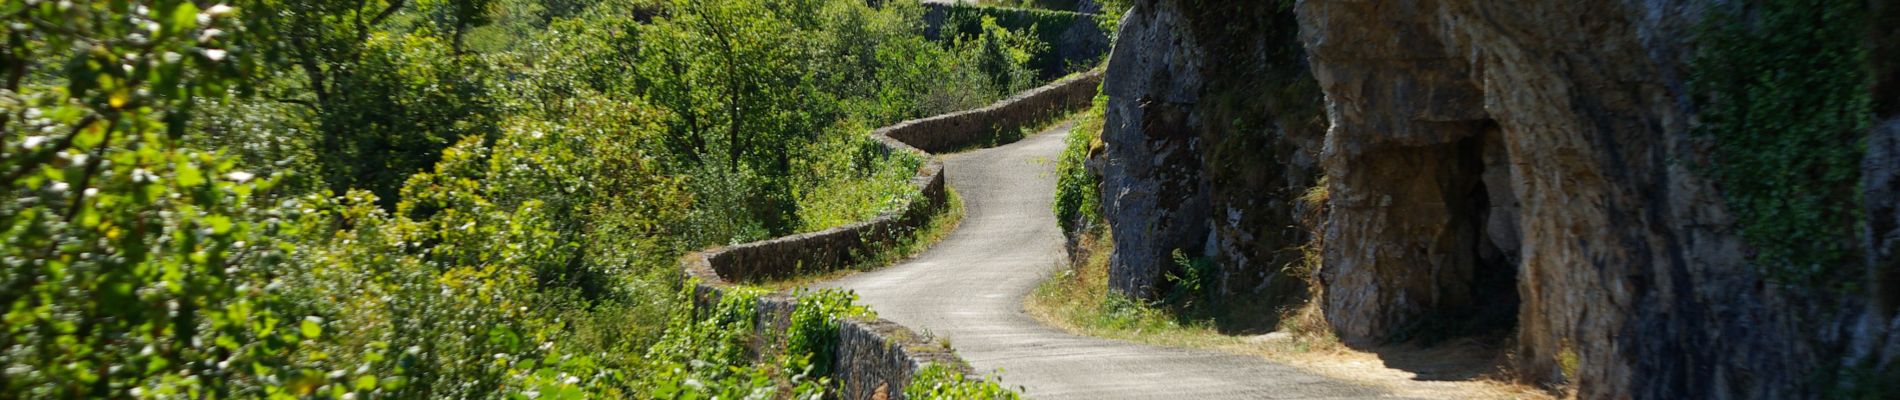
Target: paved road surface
(970,288)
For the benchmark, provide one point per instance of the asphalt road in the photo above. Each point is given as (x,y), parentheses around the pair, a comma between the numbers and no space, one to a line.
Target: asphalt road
(970,288)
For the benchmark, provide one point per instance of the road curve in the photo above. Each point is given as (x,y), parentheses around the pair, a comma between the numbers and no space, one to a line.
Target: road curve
(970,289)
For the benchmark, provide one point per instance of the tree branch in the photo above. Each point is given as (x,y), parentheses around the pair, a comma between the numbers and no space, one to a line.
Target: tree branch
(388,11)
(92,169)
(306,103)
(42,156)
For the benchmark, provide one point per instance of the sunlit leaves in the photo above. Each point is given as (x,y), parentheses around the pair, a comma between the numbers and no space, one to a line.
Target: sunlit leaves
(128,258)
(936,381)
(1078,202)
(1003,55)
(312,327)
(705,352)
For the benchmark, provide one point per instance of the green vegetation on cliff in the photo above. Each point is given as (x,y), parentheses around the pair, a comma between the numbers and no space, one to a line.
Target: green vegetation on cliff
(1787,146)
(1078,199)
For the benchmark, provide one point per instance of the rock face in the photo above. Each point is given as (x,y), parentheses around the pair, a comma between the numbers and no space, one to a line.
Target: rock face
(1549,142)
(1152,189)
(1522,168)
(1212,130)
(1880,179)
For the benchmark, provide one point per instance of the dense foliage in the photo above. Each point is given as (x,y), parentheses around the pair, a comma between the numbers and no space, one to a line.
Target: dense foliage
(1078,198)
(432,199)
(940,382)
(1787,146)
(706,355)
(1063,5)
(967,23)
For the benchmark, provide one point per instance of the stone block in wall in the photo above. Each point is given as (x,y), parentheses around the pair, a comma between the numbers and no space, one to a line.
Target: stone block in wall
(880,354)
(974,127)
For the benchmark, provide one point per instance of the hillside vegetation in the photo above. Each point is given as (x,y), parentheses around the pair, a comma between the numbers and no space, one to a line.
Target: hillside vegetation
(440,199)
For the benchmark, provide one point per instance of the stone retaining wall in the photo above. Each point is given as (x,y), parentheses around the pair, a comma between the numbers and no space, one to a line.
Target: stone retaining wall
(876,358)
(963,129)
(833,248)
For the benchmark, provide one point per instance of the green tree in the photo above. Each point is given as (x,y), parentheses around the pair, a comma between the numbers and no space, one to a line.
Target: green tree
(1003,55)
(456,18)
(742,56)
(737,80)
(386,102)
(132,264)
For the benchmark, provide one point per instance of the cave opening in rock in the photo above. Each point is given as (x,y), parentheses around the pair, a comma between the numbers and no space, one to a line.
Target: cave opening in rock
(1474,289)
(1490,228)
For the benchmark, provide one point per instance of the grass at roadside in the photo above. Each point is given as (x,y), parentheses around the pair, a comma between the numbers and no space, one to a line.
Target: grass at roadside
(1077,300)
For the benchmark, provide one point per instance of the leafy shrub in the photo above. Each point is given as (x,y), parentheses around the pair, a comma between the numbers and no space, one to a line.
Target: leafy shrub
(1003,56)
(1109,18)
(813,332)
(1193,287)
(966,22)
(936,381)
(706,356)
(791,89)
(1078,202)
(732,207)
(385,100)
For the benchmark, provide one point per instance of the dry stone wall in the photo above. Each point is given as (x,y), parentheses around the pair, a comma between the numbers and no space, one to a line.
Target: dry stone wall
(968,128)
(876,358)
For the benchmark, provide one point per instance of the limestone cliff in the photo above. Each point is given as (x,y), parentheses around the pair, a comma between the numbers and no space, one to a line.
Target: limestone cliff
(1152,192)
(1212,129)
(1532,166)
(1632,274)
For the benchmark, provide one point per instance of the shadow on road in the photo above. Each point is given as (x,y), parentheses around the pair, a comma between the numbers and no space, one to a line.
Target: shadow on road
(1459,359)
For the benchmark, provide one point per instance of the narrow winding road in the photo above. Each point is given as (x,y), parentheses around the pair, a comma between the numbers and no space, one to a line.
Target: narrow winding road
(970,288)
